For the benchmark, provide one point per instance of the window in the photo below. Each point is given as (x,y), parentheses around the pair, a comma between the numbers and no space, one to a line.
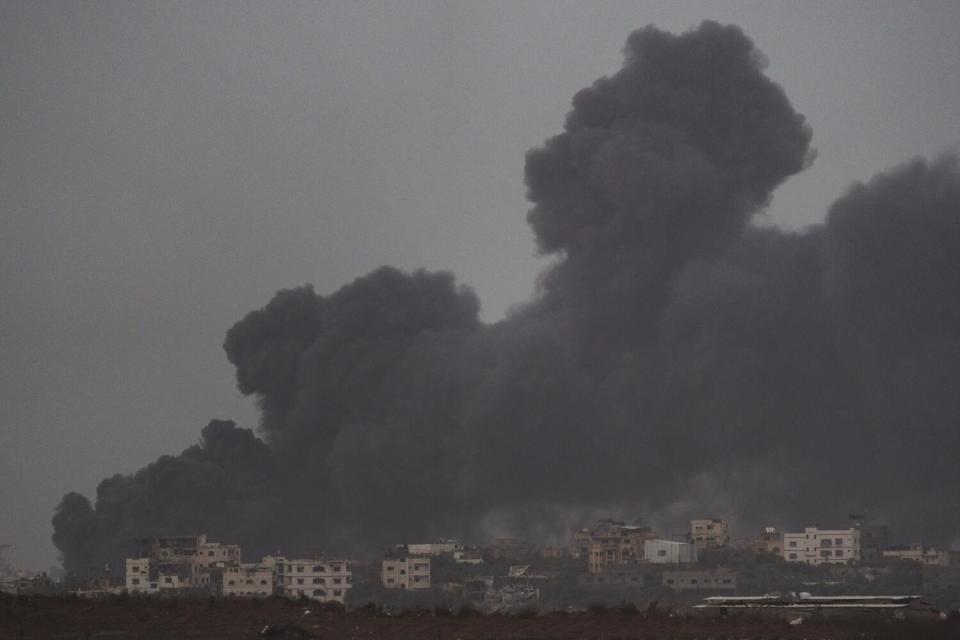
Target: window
(838,541)
(299,568)
(316,581)
(319,568)
(826,542)
(263,582)
(403,572)
(337,580)
(838,552)
(793,544)
(249,580)
(727,581)
(231,583)
(793,556)
(662,552)
(693,581)
(299,580)
(337,592)
(390,568)
(209,554)
(136,581)
(389,580)
(168,580)
(318,592)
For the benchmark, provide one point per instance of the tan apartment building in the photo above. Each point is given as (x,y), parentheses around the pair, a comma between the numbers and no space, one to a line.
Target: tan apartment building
(822,546)
(244,580)
(692,580)
(709,533)
(143,576)
(321,579)
(609,543)
(405,573)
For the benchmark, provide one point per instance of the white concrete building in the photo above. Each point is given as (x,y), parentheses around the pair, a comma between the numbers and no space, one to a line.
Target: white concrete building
(822,546)
(669,552)
(405,573)
(325,580)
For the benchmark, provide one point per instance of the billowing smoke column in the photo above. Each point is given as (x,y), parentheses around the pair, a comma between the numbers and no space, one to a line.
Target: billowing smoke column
(675,360)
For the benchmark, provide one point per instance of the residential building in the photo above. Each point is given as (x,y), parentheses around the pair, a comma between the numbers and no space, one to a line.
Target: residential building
(610,542)
(144,576)
(822,546)
(405,573)
(669,552)
(611,533)
(322,579)
(190,558)
(918,553)
(443,547)
(710,580)
(709,533)
(244,580)
(468,556)
(769,541)
(874,536)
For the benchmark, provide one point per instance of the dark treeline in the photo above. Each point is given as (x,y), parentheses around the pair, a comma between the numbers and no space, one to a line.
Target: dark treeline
(674,360)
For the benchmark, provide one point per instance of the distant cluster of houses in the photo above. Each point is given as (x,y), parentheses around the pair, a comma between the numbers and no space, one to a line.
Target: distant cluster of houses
(194,563)
(612,553)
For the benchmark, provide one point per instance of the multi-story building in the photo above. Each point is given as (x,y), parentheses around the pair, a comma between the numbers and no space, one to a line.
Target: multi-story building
(325,580)
(190,558)
(690,580)
(610,542)
(144,576)
(822,546)
(874,536)
(709,533)
(244,580)
(669,552)
(769,541)
(405,573)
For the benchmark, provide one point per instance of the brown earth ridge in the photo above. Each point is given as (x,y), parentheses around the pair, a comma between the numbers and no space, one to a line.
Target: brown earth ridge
(123,618)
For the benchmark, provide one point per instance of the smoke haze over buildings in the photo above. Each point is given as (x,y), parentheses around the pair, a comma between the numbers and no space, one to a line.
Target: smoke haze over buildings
(675,358)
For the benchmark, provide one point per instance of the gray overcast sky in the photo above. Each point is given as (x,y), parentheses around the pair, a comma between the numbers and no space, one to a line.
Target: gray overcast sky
(167,166)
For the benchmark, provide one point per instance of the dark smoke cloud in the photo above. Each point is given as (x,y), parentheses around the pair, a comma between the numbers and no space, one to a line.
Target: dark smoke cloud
(675,360)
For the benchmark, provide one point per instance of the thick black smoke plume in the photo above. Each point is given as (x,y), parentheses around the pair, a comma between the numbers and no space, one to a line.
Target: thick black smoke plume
(676,360)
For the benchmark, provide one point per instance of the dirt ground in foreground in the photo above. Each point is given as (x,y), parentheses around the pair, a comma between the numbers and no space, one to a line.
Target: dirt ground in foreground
(215,619)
